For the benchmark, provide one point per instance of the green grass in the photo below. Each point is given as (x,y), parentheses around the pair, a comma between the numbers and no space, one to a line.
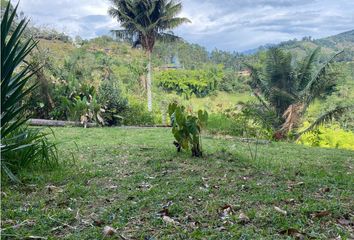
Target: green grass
(123,177)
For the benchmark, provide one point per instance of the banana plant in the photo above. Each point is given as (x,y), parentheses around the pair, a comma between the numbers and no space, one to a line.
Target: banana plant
(187,129)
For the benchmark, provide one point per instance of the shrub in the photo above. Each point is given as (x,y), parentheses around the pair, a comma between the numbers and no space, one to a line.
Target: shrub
(82,105)
(35,150)
(137,114)
(188,82)
(110,96)
(230,82)
(223,124)
(187,129)
(251,120)
(243,120)
(328,136)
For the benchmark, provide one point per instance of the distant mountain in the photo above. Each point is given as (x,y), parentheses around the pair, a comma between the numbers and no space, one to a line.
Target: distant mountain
(339,41)
(261,48)
(329,45)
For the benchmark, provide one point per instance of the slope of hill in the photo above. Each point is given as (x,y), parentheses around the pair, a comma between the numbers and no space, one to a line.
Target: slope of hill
(329,45)
(339,41)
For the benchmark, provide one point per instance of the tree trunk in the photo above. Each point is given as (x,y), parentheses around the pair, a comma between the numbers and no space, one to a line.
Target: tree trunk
(148,83)
(58,123)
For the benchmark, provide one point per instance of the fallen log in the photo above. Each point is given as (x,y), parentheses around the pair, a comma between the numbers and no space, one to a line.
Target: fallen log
(58,123)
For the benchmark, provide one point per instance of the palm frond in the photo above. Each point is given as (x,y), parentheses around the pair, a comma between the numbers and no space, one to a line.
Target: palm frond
(318,83)
(328,116)
(147,20)
(173,23)
(168,37)
(123,35)
(260,99)
(256,81)
(306,68)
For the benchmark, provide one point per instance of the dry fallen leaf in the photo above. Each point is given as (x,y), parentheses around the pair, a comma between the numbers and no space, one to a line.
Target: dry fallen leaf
(163,212)
(27,222)
(194,224)
(293,233)
(37,237)
(109,231)
(343,221)
(54,189)
(226,211)
(145,185)
(169,203)
(112,187)
(290,201)
(325,189)
(320,214)
(97,222)
(167,219)
(243,218)
(279,210)
(221,229)
(291,185)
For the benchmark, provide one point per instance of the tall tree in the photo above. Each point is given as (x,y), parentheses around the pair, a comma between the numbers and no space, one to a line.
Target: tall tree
(289,88)
(144,22)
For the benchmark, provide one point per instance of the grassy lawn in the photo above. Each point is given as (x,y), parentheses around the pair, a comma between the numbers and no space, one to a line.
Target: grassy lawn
(134,181)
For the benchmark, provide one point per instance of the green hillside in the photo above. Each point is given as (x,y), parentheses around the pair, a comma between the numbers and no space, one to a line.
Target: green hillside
(329,45)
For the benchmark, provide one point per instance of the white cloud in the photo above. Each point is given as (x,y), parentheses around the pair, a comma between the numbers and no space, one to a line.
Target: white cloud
(224,24)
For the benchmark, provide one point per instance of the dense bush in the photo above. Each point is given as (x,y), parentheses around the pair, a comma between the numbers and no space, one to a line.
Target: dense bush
(79,103)
(328,136)
(38,150)
(187,82)
(244,120)
(137,114)
(112,101)
(232,82)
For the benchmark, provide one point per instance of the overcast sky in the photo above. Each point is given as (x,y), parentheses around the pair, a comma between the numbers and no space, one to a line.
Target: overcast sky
(224,24)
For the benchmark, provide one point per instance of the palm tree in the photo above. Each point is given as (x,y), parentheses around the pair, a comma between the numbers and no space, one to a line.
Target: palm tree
(289,88)
(144,22)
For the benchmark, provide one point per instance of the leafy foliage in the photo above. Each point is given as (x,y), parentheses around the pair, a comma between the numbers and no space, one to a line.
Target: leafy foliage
(188,82)
(328,136)
(110,96)
(20,146)
(187,128)
(246,120)
(136,114)
(146,21)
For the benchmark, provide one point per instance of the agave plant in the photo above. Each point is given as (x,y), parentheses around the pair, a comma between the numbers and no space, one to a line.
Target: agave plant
(16,138)
(289,89)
